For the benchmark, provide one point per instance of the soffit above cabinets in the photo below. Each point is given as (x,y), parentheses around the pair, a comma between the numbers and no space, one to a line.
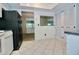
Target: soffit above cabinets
(39,5)
(30,5)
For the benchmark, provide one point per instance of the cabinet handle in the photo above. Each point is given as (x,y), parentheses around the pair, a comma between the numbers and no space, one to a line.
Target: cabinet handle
(74,26)
(38,24)
(67,27)
(62,27)
(74,5)
(45,34)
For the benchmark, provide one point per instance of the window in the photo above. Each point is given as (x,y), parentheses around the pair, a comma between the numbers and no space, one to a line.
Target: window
(30,24)
(46,21)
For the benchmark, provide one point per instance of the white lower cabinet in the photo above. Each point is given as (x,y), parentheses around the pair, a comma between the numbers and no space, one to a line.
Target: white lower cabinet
(72,47)
(45,32)
(6,43)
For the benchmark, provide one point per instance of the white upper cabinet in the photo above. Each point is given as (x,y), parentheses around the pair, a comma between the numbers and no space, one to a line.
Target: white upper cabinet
(69,18)
(72,18)
(77,17)
(60,21)
(0,10)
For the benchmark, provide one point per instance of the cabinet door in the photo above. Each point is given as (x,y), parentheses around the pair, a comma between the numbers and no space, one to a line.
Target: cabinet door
(60,23)
(69,18)
(72,44)
(0,10)
(60,19)
(77,17)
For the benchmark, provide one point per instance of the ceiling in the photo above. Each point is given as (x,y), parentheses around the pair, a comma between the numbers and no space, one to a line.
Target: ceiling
(39,5)
(30,5)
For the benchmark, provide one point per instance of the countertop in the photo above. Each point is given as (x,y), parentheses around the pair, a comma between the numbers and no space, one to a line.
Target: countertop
(5,33)
(72,33)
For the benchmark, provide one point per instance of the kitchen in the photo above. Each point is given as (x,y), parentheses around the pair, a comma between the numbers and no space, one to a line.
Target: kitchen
(60,23)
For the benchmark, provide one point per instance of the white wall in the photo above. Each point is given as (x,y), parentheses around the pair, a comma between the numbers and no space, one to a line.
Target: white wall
(0,10)
(8,6)
(2,6)
(68,16)
(70,19)
(49,30)
(5,6)
(40,31)
(23,25)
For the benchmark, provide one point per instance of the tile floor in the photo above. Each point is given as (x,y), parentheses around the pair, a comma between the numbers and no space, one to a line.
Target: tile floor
(42,47)
(28,37)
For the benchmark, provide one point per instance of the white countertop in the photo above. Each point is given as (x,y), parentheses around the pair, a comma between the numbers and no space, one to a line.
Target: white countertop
(6,40)
(5,33)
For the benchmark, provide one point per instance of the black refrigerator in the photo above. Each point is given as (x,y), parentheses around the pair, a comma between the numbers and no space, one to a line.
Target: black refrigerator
(11,20)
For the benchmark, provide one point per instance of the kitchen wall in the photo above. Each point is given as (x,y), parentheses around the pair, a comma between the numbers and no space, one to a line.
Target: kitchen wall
(67,19)
(64,18)
(43,32)
(40,31)
(5,6)
(37,13)
(23,24)
(2,6)
(8,6)
(58,11)
(11,6)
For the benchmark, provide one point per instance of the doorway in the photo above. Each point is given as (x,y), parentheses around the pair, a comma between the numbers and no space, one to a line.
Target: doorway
(60,24)
(28,26)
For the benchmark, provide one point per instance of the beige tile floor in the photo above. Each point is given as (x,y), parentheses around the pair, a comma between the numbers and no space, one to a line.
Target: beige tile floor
(28,37)
(42,47)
